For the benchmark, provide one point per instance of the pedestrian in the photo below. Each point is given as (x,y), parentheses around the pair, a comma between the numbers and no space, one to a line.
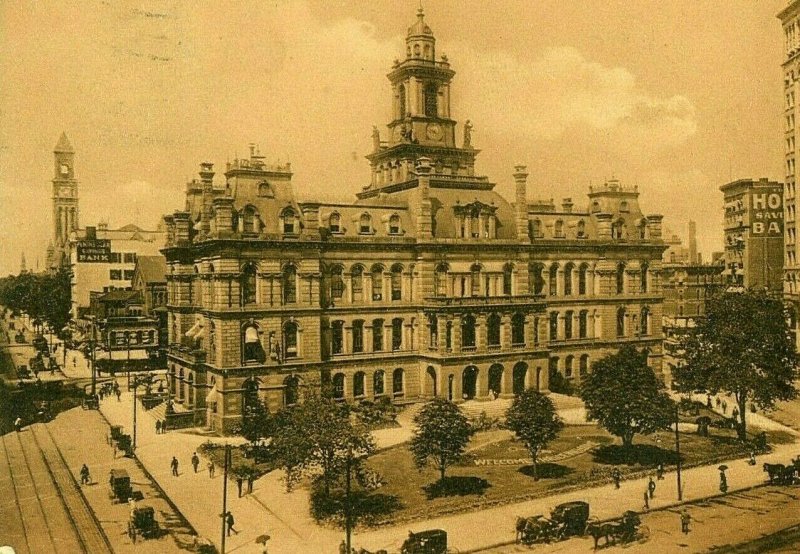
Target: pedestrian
(250,479)
(158,427)
(174,465)
(239,482)
(119,394)
(752,460)
(211,470)
(163,425)
(229,521)
(685,520)
(723,481)
(718,401)
(18,424)
(195,462)
(651,487)
(84,474)
(617,476)
(646,501)
(660,471)
(708,401)
(342,548)
(724,407)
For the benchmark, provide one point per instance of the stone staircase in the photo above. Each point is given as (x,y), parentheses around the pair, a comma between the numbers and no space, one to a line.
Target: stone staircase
(495,409)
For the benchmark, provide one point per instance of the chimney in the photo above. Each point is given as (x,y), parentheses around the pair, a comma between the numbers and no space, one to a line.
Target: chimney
(566,205)
(692,242)
(604,225)
(207,178)
(654,226)
(521,202)
(424,223)
(169,222)
(181,228)
(311,217)
(223,215)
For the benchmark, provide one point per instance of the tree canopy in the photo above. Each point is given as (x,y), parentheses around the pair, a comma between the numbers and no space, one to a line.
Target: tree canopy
(623,393)
(742,347)
(532,417)
(44,296)
(441,435)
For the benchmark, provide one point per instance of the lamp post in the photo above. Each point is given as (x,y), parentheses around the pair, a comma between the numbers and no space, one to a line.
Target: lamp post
(128,358)
(678,452)
(91,355)
(225,494)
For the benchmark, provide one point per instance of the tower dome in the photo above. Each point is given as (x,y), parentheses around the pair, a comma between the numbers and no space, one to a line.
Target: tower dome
(420,42)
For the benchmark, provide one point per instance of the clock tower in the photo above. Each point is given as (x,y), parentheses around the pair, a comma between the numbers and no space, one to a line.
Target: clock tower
(65,200)
(421,125)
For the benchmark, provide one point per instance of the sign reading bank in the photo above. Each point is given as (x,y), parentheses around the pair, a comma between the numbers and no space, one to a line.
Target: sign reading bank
(766,216)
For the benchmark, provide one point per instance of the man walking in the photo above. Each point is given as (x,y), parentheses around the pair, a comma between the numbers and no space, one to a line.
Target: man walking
(660,471)
(229,522)
(239,482)
(211,470)
(195,462)
(18,424)
(685,520)
(651,488)
(158,427)
(617,476)
(174,465)
(250,479)
(84,474)
(646,501)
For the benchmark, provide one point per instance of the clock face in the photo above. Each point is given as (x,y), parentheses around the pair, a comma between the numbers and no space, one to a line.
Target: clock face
(65,191)
(64,169)
(434,131)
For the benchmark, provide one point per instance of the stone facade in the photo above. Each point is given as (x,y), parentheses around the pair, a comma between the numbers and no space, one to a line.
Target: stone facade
(428,284)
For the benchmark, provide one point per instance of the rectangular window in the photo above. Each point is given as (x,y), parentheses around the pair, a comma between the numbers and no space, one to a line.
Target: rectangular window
(129,257)
(358,336)
(337,338)
(128,274)
(115,274)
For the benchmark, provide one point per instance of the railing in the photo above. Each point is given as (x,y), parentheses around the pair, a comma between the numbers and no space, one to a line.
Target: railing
(484,300)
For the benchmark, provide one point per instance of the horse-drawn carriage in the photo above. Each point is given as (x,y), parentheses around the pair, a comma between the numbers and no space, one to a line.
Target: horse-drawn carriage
(625,529)
(143,524)
(433,541)
(120,483)
(780,474)
(566,520)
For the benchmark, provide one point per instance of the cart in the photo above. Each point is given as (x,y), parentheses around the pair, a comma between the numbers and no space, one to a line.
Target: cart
(433,541)
(120,483)
(143,524)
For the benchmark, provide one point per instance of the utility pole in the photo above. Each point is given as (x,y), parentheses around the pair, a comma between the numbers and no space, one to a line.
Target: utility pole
(91,358)
(348,528)
(135,388)
(678,452)
(128,362)
(225,495)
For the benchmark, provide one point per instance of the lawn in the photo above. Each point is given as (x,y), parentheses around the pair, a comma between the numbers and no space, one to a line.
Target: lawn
(416,495)
(241,463)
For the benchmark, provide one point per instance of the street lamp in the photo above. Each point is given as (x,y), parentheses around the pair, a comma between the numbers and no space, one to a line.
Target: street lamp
(225,493)
(678,451)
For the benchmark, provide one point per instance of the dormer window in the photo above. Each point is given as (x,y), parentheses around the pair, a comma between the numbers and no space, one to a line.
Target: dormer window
(250,220)
(394,225)
(595,206)
(580,232)
(365,224)
(335,223)
(289,222)
(623,207)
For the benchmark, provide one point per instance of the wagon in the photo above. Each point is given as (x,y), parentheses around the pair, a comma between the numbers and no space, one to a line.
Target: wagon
(143,523)
(433,541)
(573,516)
(120,483)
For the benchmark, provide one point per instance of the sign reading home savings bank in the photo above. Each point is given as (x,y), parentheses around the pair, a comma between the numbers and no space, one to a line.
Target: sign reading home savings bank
(94,251)
(767,215)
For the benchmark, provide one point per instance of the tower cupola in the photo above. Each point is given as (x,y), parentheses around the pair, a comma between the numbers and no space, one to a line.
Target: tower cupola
(420,42)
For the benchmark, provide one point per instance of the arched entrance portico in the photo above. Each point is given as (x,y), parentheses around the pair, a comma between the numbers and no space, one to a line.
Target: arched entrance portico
(431,387)
(469,382)
(496,379)
(520,377)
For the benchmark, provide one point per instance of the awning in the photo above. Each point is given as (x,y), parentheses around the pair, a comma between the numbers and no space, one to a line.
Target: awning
(212,395)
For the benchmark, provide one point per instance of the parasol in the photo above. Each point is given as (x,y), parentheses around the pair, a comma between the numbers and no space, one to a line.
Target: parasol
(262,539)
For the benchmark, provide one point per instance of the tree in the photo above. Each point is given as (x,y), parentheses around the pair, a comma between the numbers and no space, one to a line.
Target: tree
(532,417)
(623,393)
(256,426)
(742,347)
(441,435)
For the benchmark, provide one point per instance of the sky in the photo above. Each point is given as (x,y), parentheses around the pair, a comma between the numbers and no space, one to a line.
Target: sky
(677,97)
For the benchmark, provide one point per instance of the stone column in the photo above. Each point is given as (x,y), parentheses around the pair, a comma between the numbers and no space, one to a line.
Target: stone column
(521,203)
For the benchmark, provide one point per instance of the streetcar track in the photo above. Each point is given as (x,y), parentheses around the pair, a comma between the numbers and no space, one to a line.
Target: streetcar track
(16,497)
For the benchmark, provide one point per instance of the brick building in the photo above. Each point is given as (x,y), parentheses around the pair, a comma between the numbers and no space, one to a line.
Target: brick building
(428,284)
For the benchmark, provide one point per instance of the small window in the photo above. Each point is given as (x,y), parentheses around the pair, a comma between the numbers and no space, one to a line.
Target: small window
(394,225)
(377,335)
(264,190)
(623,207)
(358,336)
(128,274)
(129,257)
(289,222)
(335,223)
(397,333)
(115,274)
(365,224)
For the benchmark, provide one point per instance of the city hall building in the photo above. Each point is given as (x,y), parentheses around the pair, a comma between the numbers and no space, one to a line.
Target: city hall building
(429,284)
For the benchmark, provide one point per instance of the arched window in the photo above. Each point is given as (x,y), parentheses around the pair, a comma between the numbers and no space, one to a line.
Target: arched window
(379,383)
(645,321)
(365,224)
(583,271)
(536,278)
(643,277)
(289,284)
(401,93)
(377,283)
(358,335)
(620,278)
(595,206)
(568,278)
(468,331)
(335,223)
(290,390)
(336,283)
(618,231)
(508,279)
(568,315)
(440,280)
(397,282)
(536,229)
(248,284)
(583,324)
(250,220)
(290,331)
(475,280)
(643,229)
(394,225)
(377,335)
(397,333)
(568,367)
(553,325)
(518,329)
(558,229)
(337,337)
(430,101)
(338,386)
(357,276)
(359,384)
(553,279)
(398,382)
(580,231)
(433,326)
(584,365)
(252,351)
(493,330)
(621,322)
(289,222)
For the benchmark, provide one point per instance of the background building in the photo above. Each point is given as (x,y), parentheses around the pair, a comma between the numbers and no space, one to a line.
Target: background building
(429,284)
(65,203)
(754,238)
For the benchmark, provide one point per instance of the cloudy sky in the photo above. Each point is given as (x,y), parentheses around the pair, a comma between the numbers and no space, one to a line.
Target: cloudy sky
(676,97)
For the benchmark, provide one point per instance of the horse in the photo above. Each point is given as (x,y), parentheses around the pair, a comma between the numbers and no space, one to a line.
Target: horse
(610,530)
(774,471)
